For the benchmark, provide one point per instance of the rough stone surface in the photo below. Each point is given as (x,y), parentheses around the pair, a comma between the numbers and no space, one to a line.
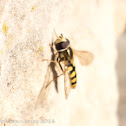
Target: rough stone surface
(122,79)
(26,29)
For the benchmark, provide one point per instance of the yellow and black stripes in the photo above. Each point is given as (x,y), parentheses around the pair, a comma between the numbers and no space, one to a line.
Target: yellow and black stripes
(72,72)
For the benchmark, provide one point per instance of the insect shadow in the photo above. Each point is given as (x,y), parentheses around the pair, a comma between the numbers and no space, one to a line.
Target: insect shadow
(52,65)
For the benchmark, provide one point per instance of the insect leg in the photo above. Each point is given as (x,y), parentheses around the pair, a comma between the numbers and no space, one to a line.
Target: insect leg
(59,60)
(53,80)
(52,61)
(60,65)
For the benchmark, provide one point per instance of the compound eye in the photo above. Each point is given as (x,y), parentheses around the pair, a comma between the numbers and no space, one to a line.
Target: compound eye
(62,45)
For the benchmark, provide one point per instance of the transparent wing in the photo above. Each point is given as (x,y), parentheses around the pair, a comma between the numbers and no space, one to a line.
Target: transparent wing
(43,95)
(67,84)
(41,100)
(84,57)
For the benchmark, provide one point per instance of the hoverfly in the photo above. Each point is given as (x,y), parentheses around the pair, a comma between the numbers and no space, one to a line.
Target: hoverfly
(64,58)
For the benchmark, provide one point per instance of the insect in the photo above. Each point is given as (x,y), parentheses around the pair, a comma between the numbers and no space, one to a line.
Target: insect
(65,60)
(65,55)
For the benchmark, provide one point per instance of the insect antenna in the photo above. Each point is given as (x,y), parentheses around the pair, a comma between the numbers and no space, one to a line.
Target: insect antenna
(61,36)
(56,34)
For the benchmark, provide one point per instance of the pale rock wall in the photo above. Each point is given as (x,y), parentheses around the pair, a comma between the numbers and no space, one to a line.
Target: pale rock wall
(120,16)
(26,29)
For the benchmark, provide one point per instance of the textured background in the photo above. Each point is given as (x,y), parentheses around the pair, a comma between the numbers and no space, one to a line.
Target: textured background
(26,29)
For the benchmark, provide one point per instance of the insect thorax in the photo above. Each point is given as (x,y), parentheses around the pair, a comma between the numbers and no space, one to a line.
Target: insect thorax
(66,55)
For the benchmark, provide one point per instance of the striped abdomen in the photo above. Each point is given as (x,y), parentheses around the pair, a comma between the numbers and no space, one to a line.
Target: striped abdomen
(72,72)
